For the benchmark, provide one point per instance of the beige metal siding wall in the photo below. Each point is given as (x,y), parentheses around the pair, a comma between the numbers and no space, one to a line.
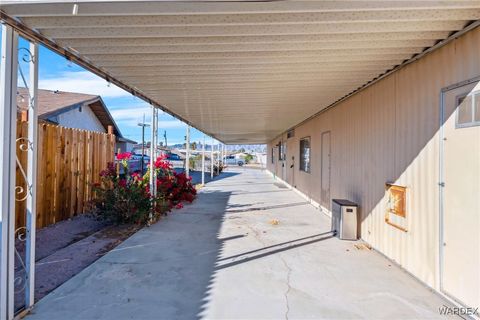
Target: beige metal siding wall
(389,133)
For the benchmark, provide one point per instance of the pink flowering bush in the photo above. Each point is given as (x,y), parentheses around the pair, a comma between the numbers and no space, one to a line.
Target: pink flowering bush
(127,198)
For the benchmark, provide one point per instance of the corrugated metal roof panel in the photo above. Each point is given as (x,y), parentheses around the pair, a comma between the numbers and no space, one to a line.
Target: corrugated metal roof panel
(245,71)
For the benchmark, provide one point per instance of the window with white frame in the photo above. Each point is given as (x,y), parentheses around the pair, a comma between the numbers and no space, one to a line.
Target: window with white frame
(468,110)
(305,154)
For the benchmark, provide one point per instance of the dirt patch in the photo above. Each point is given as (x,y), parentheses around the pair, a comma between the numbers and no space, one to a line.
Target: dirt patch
(66,248)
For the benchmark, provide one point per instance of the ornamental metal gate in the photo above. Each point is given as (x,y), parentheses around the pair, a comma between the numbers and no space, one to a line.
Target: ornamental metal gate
(17,253)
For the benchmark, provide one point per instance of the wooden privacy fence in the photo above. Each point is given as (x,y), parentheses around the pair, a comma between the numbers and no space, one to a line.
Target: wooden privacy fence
(69,162)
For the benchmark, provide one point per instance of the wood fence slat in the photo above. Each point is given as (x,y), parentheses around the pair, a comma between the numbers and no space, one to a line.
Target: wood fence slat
(41,171)
(73,174)
(81,171)
(49,176)
(65,164)
(69,162)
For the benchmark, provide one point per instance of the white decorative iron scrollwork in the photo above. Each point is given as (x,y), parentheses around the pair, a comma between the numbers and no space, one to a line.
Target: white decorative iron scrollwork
(21,276)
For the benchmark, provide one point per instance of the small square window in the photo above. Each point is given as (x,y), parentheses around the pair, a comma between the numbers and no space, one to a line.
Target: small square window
(468,110)
(476,109)
(464,110)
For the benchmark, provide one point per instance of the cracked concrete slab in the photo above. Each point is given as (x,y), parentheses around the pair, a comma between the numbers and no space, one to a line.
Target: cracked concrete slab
(242,250)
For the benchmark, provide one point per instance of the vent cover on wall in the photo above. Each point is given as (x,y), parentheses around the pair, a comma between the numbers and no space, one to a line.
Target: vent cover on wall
(291,134)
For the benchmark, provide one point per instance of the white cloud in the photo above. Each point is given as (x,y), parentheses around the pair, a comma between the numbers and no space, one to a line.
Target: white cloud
(131,116)
(82,82)
(171,124)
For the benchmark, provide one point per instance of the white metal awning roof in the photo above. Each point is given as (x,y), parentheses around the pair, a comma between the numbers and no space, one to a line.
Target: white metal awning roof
(243,71)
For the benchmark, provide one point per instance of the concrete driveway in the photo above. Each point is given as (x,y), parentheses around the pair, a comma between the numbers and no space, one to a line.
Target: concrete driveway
(248,248)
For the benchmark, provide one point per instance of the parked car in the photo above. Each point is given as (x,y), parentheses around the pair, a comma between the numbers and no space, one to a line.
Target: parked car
(135,163)
(173,157)
(230,160)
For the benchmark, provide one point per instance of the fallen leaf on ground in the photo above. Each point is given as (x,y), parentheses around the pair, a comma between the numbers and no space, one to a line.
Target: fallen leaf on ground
(274,222)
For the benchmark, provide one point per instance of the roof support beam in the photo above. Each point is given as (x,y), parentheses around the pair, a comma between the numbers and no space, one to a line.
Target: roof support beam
(290,18)
(384,37)
(94,8)
(247,30)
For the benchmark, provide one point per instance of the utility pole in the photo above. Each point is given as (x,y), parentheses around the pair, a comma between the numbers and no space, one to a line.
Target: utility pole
(143,125)
(187,152)
(203,161)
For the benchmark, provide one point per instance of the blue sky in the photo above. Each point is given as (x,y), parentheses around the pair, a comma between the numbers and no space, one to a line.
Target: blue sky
(57,73)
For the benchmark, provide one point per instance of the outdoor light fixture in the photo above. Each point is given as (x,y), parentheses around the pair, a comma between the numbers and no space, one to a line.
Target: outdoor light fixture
(75,9)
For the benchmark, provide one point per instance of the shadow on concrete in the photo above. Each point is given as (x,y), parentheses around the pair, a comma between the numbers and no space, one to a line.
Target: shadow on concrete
(243,258)
(197,175)
(163,271)
(258,192)
(277,206)
(289,244)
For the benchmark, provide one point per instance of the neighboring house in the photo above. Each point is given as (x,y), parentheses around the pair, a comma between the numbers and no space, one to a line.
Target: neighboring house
(75,110)
(240,155)
(125,145)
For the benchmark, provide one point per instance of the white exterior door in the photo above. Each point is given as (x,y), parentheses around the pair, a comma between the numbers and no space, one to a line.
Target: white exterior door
(460,245)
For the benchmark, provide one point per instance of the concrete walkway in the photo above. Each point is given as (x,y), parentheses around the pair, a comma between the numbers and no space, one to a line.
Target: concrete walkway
(247,248)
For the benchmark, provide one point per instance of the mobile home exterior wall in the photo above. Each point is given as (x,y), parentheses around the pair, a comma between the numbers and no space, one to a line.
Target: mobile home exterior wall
(388,132)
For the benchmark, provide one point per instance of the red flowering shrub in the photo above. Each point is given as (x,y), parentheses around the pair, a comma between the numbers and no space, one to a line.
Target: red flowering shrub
(127,198)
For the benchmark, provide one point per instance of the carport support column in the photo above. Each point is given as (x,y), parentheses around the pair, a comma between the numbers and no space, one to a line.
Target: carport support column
(187,152)
(155,148)
(203,161)
(218,165)
(224,155)
(220,146)
(211,160)
(152,158)
(8,114)
(31,176)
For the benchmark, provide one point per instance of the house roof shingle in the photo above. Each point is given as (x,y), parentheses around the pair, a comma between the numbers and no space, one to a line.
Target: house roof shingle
(51,103)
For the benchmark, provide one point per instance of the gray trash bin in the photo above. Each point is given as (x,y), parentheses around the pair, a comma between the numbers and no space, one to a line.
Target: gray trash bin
(344,219)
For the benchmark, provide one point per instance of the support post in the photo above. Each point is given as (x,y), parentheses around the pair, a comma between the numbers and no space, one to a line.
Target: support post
(152,154)
(211,160)
(220,155)
(223,154)
(203,161)
(187,152)
(218,165)
(8,113)
(31,177)
(156,136)
(155,149)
